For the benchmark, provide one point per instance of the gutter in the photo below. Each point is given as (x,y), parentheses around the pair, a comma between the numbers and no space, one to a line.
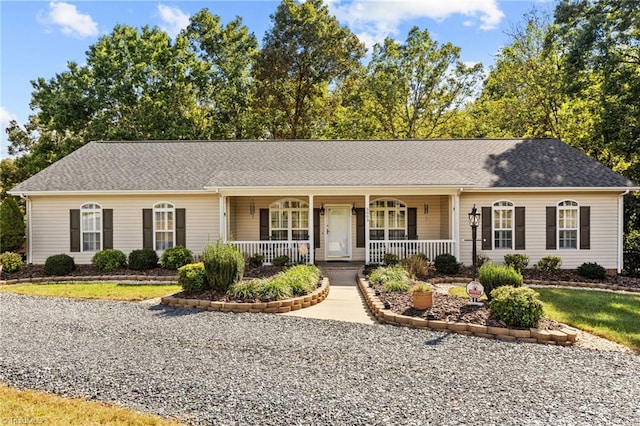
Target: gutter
(621,230)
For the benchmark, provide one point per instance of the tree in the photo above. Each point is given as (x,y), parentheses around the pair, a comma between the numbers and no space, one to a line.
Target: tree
(305,53)
(12,229)
(413,89)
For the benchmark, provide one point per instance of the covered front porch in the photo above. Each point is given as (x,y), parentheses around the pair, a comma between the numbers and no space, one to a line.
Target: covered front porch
(359,227)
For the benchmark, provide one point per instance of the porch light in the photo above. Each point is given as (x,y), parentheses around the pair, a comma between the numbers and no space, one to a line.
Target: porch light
(353,209)
(426,208)
(322,209)
(474,217)
(252,208)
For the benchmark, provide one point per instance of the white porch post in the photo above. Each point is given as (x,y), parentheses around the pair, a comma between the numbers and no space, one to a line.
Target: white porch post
(366,229)
(456,225)
(223,217)
(312,242)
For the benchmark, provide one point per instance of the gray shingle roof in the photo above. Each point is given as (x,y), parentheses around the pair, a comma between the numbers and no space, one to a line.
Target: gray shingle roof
(194,165)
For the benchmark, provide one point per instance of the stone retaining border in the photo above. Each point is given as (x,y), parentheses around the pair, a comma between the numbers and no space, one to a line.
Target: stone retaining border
(275,307)
(564,337)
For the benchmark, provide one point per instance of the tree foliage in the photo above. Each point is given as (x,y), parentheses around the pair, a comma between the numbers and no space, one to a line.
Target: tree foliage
(12,228)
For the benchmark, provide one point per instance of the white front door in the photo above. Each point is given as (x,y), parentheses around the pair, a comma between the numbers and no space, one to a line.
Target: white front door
(338,233)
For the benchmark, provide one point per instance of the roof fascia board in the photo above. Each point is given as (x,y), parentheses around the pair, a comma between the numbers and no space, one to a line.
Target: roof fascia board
(130,192)
(555,189)
(337,190)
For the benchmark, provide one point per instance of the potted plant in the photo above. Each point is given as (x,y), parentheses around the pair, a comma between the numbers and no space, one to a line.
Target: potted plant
(422,296)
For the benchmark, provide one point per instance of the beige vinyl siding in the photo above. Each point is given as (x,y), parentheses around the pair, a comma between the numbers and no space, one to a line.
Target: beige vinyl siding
(50,221)
(445,223)
(604,227)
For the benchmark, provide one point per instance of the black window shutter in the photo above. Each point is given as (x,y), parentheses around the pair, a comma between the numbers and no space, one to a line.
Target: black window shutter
(520,228)
(360,227)
(551,228)
(107,229)
(74,226)
(487,236)
(147,228)
(412,223)
(585,228)
(316,228)
(264,224)
(181,231)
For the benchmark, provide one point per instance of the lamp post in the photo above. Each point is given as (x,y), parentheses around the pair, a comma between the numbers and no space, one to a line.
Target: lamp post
(474,220)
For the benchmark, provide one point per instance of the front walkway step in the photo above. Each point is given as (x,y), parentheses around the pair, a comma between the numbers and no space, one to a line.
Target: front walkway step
(344,302)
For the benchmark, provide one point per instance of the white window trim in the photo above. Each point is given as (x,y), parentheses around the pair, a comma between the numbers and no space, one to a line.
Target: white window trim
(96,209)
(385,209)
(304,207)
(153,219)
(576,208)
(511,208)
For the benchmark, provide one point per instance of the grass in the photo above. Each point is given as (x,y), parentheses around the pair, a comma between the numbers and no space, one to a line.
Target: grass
(462,292)
(110,291)
(614,316)
(32,407)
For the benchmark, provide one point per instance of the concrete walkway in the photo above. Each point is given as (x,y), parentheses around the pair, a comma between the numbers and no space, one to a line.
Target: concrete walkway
(344,302)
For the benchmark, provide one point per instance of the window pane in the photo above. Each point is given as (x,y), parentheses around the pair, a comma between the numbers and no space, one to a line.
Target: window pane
(90,241)
(396,234)
(279,235)
(164,240)
(376,234)
(503,239)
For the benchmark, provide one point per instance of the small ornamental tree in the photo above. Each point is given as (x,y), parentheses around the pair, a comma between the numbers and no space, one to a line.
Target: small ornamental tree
(12,229)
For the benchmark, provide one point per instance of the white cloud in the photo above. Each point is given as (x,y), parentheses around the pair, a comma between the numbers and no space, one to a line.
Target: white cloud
(173,18)
(375,20)
(70,21)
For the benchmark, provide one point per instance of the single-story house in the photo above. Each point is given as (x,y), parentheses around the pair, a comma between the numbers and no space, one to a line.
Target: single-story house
(329,200)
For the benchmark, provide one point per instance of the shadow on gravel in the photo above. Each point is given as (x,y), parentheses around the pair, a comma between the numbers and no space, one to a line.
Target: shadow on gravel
(437,340)
(170,311)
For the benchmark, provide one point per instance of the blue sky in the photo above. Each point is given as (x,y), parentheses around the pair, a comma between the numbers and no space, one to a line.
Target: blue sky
(38,38)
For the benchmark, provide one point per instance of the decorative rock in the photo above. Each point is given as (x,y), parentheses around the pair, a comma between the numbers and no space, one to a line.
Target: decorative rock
(506,338)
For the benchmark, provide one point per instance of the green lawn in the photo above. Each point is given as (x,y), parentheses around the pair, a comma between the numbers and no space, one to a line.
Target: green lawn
(614,316)
(111,291)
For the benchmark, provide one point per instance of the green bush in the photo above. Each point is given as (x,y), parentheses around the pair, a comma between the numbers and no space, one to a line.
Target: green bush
(246,290)
(549,264)
(224,264)
(446,264)
(59,264)
(631,253)
(143,259)
(382,274)
(192,277)
(109,259)
(390,259)
(417,266)
(592,270)
(519,262)
(176,257)
(395,286)
(517,307)
(492,276)
(283,260)
(256,260)
(275,288)
(12,229)
(11,262)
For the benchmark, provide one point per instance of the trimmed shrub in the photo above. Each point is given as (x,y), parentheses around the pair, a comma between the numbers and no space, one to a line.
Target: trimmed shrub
(417,266)
(275,288)
(446,264)
(192,277)
(390,259)
(59,264)
(592,270)
(12,228)
(302,279)
(256,260)
(492,276)
(383,274)
(395,286)
(11,262)
(519,262)
(631,253)
(176,257)
(281,261)
(517,307)
(109,259)
(224,264)
(549,264)
(246,290)
(143,259)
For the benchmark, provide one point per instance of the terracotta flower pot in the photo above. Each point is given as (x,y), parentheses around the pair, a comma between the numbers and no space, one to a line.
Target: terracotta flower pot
(422,300)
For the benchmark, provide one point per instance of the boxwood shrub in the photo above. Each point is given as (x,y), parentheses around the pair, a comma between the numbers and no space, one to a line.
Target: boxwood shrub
(549,264)
(109,259)
(11,262)
(517,261)
(176,257)
(59,264)
(143,259)
(516,306)
(446,264)
(192,277)
(592,270)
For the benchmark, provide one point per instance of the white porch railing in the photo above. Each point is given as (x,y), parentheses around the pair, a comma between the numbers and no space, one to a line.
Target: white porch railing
(405,248)
(297,251)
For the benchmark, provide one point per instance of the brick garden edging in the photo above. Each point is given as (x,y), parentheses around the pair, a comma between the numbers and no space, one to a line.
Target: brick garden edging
(66,278)
(564,337)
(275,307)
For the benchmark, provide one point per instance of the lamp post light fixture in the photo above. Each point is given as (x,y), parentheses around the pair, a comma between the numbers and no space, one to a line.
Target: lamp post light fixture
(474,220)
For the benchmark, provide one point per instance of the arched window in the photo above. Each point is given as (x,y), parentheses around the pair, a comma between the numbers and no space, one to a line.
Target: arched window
(503,225)
(387,220)
(163,226)
(568,225)
(289,220)
(91,227)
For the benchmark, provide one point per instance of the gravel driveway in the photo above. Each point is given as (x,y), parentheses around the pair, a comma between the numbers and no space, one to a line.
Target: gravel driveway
(216,368)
